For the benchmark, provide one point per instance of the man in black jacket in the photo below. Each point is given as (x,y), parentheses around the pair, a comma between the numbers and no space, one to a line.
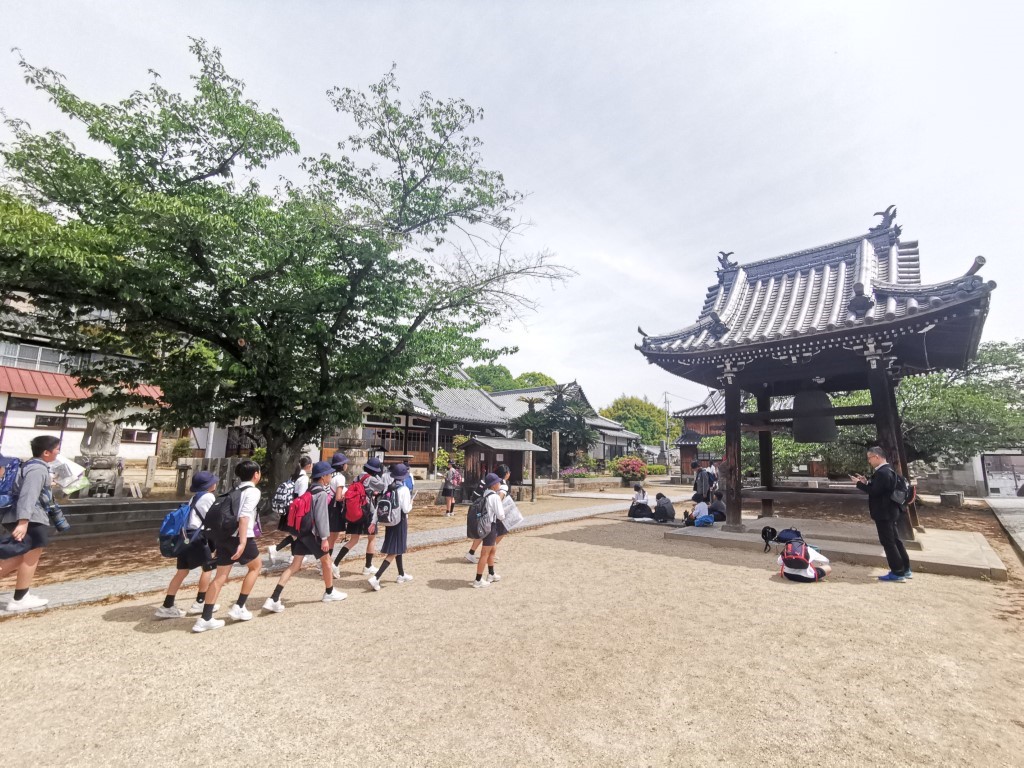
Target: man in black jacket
(885,512)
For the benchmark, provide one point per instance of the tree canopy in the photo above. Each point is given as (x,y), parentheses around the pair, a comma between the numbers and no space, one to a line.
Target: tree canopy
(564,413)
(160,250)
(493,377)
(640,415)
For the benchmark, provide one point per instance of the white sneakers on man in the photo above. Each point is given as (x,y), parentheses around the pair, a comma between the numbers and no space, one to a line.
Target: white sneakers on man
(480,584)
(404,579)
(274,606)
(163,612)
(333,596)
(239,613)
(27,603)
(197,608)
(493,577)
(471,558)
(202,625)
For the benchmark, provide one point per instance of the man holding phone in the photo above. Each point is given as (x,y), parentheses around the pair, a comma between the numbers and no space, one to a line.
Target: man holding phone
(885,512)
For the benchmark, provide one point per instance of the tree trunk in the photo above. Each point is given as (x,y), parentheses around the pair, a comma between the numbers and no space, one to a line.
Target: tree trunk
(282,457)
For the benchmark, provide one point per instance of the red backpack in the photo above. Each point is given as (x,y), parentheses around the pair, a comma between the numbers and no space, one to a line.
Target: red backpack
(356,500)
(299,519)
(796,555)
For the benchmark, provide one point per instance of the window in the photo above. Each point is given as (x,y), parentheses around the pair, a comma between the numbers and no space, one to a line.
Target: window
(49,422)
(21,403)
(76,422)
(137,436)
(36,358)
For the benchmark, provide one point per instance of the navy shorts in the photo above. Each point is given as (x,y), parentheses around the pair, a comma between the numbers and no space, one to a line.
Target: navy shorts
(805,579)
(307,545)
(491,538)
(224,554)
(356,529)
(198,555)
(447,493)
(37,535)
(336,518)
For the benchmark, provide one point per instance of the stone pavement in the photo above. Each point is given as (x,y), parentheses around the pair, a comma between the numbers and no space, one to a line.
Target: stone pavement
(140,582)
(1010,513)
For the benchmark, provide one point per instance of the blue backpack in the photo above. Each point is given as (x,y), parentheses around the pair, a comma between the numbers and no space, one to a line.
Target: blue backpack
(174,534)
(7,483)
(704,521)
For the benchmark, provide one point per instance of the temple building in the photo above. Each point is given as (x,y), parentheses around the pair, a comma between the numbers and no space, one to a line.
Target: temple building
(849,315)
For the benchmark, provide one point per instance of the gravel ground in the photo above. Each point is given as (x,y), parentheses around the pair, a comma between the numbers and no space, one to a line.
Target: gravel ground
(604,644)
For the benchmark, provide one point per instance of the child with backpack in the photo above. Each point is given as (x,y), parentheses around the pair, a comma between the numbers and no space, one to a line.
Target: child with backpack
(803,563)
(232,522)
(309,517)
(452,481)
(494,511)
(285,494)
(477,493)
(198,554)
(396,536)
(336,507)
(358,513)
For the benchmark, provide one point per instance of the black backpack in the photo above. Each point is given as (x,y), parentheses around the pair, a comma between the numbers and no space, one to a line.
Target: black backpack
(478,522)
(221,523)
(903,493)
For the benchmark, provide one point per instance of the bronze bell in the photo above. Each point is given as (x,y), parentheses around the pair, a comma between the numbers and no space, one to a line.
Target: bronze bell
(813,419)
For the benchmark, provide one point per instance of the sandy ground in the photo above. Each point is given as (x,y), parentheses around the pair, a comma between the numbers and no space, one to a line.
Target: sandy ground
(604,644)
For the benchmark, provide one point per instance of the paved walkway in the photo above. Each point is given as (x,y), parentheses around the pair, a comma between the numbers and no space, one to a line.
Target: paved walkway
(1010,512)
(139,582)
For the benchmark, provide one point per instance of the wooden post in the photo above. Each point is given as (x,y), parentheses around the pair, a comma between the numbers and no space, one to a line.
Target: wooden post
(882,400)
(767,461)
(555,451)
(901,447)
(734,467)
(528,436)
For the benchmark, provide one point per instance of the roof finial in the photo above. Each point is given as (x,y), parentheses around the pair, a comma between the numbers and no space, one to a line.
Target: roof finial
(723,259)
(888,216)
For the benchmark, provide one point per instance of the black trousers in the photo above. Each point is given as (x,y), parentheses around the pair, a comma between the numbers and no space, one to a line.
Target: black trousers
(895,552)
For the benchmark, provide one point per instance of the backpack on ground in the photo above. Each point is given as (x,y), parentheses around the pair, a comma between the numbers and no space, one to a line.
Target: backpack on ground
(174,535)
(283,497)
(300,520)
(768,535)
(386,507)
(221,522)
(357,503)
(478,521)
(797,555)
(788,535)
(704,521)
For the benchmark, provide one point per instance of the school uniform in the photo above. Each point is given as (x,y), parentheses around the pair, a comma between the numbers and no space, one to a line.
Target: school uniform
(396,536)
(336,510)
(310,543)
(496,511)
(301,483)
(373,485)
(499,525)
(250,499)
(198,553)
(32,487)
(811,573)
(448,488)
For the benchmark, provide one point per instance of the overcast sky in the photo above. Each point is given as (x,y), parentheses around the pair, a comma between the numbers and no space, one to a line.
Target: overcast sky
(648,135)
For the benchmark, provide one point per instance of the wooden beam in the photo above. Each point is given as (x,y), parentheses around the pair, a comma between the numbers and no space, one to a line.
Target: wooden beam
(885,423)
(901,447)
(734,467)
(765,415)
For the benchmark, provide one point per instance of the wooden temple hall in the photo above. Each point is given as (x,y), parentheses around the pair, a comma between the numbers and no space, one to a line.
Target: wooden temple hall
(850,315)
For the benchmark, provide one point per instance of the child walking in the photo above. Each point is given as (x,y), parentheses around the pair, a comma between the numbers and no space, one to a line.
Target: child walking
(300,484)
(373,483)
(315,543)
(197,555)
(395,536)
(240,548)
(336,506)
(494,510)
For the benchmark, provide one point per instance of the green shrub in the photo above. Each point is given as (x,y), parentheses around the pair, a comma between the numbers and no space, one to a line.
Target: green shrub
(657,469)
(631,468)
(260,457)
(182,449)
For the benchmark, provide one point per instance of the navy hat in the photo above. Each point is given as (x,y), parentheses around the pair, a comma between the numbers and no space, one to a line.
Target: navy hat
(491,479)
(339,460)
(399,471)
(203,481)
(320,469)
(373,466)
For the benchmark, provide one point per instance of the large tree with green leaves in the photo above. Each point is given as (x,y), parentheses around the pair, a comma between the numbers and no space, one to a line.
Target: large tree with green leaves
(491,377)
(563,411)
(159,247)
(640,415)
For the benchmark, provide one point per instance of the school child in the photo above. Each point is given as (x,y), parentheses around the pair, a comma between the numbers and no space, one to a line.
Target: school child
(395,536)
(28,521)
(496,512)
(374,482)
(452,480)
(640,506)
(336,507)
(300,484)
(240,548)
(198,554)
(480,490)
(817,567)
(717,507)
(315,543)
(504,472)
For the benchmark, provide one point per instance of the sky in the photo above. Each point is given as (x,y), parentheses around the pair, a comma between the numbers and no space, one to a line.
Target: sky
(647,136)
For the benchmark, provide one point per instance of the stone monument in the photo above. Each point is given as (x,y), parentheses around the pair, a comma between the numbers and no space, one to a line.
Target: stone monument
(100,446)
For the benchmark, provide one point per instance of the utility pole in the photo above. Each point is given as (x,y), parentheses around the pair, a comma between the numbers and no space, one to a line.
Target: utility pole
(667,431)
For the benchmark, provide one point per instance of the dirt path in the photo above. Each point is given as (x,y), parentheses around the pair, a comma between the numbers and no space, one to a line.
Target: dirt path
(604,644)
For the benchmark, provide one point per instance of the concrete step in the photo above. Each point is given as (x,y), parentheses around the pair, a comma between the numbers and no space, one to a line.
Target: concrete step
(158,514)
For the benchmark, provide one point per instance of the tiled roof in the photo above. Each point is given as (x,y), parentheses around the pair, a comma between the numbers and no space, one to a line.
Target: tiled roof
(868,280)
(714,405)
(21,381)
(507,444)
(456,404)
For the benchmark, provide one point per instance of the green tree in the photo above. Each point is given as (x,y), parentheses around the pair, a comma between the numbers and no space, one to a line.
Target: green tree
(785,453)
(564,412)
(492,377)
(162,251)
(531,379)
(640,415)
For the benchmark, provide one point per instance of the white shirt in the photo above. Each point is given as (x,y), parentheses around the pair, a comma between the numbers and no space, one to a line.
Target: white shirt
(700,510)
(809,572)
(301,483)
(494,507)
(337,481)
(404,499)
(201,507)
(250,500)
(640,496)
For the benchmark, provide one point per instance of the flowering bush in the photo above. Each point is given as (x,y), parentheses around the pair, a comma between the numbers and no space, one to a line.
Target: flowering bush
(576,472)
(631,468)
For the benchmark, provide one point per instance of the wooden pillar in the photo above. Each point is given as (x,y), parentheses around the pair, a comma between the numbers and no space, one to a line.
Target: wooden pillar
(764,444)
(528,436)
(904,465)
(882,400)
(734,466)
(555,451)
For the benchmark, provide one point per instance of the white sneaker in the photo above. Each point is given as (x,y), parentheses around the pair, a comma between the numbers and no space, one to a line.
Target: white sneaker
(374,583)
(169,613)
(271,554)
(333,596)
(239,613)
(274,606)
(480,584)
(28,603)
(493,577)
(202,625)
(403,579)
(335,571)
(471,558)
(369,571)
(197,608)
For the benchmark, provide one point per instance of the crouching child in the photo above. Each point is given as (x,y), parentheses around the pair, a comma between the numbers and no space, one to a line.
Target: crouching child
(801,562)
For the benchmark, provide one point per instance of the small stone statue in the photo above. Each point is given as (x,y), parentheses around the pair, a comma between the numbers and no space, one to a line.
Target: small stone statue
(723,259)
(102,435)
